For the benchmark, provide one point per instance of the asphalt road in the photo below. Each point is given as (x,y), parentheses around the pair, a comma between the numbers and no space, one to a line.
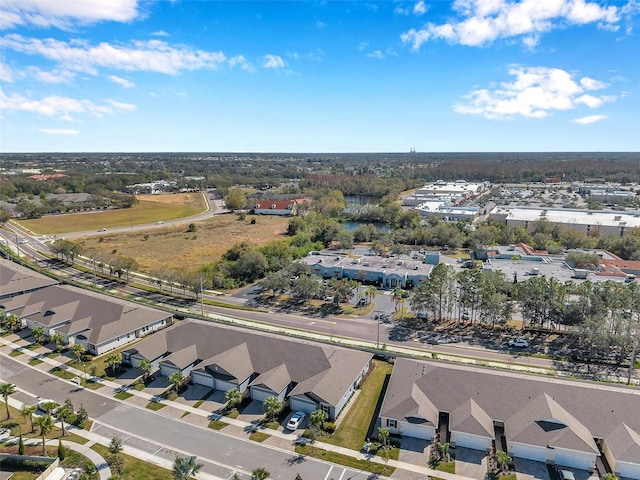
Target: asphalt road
(157,434)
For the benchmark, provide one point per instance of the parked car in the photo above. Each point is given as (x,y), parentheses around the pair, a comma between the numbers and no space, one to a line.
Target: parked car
(518,343)
(565,474)
(296,420)
(159,222)
(102,229)
(47,405)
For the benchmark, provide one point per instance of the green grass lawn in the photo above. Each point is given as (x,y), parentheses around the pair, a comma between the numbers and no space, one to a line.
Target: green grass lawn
(123,395)
(353,429)
(16,353)
(136,468)
(35,361)
(345,460)
(258,436)
(149,209)
(155,405)
(217,424)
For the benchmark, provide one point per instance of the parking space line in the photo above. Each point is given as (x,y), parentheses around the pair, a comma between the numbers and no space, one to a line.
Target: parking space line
(328,473)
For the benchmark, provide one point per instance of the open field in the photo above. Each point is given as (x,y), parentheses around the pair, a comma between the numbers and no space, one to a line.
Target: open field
(149,209)
(175,248)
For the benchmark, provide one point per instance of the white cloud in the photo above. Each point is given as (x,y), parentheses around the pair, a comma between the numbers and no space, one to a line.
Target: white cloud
(320,24)
(65,13)
(150,55)
(57,106)
(160,33)
(376,54)
(419,8)
(363,45)
(123,82)
(6,73)
(242,62)
(535,93)
(272,61)
(60,131)
(483,21)
(590,119)
(129,107)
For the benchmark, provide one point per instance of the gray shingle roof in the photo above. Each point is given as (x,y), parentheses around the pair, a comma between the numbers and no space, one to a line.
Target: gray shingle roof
(323,371)
(624,444)
(469,417)
(99,318)
(503,395)
(275,379)
(15,279)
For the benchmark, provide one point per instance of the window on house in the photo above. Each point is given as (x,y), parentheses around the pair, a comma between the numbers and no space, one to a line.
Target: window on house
(392,423)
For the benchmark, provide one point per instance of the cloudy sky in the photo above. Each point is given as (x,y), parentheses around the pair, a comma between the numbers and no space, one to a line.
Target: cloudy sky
(325,76)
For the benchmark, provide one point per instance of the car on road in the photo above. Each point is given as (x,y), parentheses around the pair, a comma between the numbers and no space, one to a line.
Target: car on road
(159,222)
(24,240)
(102,229)
(518,343)
(296,420)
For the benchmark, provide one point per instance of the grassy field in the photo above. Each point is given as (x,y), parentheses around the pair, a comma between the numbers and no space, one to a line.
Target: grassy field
(149,209)
(175,248)
(352,431)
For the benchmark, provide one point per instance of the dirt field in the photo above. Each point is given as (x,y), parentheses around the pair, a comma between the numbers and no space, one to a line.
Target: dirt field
(175,248)
(150,209)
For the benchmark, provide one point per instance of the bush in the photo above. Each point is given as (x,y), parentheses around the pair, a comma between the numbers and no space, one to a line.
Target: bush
(62,451)
(21,447)
(329,427)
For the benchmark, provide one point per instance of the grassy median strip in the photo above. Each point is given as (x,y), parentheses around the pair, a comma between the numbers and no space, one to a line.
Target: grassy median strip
(217,424)
(346,460)
(123,395)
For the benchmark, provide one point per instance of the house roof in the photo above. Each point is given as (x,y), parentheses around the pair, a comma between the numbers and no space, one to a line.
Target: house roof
(624,443)
(509,397)
(275,379)
(544,422)
(72,310)
(323,371)
(469,417)
(15,279)
(275,204)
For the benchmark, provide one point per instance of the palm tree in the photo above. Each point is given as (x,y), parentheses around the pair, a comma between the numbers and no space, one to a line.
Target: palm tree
(115,447)
(502,458)
(443,448)
(39,333)
(371,291)
(260,473)
(7,389)
(317,419)
(233,397)
(57,339)
(383,435)
(77,350)
(397,295)
(112,361)
(145,367)
(272,406)
(28,411)
(45,424)
(11,321)
(62,413)
(176,379)
(185,468)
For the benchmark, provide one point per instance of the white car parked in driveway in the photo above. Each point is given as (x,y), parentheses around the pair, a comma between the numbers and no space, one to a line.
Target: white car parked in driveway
(296,420)
(518,343)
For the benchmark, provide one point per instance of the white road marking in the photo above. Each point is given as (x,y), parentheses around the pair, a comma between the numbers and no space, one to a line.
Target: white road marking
(328,473)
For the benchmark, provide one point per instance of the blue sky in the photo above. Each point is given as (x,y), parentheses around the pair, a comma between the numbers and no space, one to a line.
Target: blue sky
(328,76)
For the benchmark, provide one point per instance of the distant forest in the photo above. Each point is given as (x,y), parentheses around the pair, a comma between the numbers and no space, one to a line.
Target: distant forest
(365,173)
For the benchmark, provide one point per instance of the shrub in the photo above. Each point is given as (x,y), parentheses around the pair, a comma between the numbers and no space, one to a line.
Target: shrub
(62,451)
(21,447)
(329,427)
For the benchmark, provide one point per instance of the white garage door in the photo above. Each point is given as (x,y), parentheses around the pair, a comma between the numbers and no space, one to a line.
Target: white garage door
(417,431)
(260,394)
(470,441)
(224,386)
(628,470)
(167,370)
(307,407)
(575,461)
(529,452)
(202,379)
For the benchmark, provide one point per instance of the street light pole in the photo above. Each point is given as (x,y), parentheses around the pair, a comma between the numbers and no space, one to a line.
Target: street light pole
(201,299)
(378,335)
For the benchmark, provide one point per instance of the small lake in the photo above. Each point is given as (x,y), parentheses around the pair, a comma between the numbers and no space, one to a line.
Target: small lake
(351,226)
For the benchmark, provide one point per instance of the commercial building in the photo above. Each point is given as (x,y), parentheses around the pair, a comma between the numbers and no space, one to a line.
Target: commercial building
(606,222)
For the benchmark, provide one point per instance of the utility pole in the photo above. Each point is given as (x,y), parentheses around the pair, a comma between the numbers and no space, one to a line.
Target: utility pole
(633,358)
(378,335)
(201,298)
